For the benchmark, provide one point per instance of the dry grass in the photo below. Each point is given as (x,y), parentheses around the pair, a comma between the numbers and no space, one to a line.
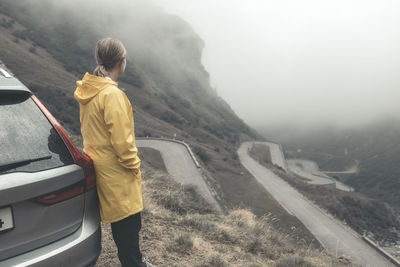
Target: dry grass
(173,216)
(181,230)
(54,86)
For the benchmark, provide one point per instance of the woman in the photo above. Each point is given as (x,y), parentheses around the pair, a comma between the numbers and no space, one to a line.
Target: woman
(108,138)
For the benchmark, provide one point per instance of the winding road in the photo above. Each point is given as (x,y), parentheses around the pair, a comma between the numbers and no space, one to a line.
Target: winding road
(310,170)
(277,157)
(181,166)
(337,238)
(353,169)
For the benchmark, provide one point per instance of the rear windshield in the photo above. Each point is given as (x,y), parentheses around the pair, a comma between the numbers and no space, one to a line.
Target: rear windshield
(26,134)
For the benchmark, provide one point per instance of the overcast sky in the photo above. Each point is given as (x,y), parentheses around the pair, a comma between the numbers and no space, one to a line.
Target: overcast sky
(302,61)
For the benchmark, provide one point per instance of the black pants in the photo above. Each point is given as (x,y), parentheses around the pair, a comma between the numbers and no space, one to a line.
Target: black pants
(126,236)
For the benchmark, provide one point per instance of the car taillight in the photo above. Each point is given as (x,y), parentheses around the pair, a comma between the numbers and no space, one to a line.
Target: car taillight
(80,159)
(62,194)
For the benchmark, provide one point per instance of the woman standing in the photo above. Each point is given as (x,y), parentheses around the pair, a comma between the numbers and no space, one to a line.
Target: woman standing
(108,138)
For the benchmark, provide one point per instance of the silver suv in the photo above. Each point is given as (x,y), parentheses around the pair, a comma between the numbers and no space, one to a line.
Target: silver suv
(48,202)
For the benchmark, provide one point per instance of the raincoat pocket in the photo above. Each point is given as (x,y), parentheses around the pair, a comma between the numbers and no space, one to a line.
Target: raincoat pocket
(136,173)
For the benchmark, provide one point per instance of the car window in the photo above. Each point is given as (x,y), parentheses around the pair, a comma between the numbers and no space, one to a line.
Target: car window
(25,133)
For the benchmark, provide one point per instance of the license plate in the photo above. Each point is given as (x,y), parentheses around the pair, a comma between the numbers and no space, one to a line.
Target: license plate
(6,219)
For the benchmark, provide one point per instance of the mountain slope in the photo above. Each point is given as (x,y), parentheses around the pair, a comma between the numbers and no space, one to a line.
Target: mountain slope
(374,147)
(168,56)
(179,230)
(50,46)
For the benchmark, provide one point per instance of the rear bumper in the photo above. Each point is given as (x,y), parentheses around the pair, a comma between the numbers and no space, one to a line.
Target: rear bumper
(81,248)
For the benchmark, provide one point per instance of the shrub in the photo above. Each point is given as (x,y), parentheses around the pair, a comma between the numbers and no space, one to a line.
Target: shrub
(181,243)
(21,34)
(198,222)
(213,260)
(222,235)
(146,133)
(235,156)
(177,198)
(32,50)
(170,117)
(293,261)
(255,246)
(173,201)
(7,23)
(242,218)
(202,154)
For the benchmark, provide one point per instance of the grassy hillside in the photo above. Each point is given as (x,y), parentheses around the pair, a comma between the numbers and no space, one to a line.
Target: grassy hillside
(375,205)
(376,147)
(364,214)
(180,230)
(49,48)
(170,71)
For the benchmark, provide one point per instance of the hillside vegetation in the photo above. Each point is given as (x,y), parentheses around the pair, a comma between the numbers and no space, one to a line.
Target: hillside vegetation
(364,214)
(376,147)
(50,45)
(179,229)
(164,59)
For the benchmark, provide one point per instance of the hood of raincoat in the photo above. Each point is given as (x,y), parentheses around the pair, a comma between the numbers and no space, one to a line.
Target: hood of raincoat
(90,86)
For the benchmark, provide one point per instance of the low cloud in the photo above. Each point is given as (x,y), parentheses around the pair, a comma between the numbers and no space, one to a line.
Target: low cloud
(306,62)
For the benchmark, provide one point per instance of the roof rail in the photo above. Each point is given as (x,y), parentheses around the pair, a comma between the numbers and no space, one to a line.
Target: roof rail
(4,71)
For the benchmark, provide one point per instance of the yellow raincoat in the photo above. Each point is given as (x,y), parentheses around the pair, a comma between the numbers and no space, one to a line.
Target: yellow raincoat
(108,138)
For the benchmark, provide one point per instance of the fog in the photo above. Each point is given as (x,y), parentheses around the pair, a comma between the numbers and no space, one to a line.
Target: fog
(278,63)
(307,62)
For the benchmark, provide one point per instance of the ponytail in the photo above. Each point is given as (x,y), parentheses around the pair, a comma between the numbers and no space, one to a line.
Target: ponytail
(101,71)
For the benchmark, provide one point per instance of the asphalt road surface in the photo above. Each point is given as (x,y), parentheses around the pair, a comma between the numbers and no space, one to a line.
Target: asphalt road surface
(338,239)
(310,170)
(181,167)
(351,170)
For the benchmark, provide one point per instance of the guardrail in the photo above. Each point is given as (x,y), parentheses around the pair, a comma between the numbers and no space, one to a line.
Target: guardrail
(175,141)
(366,239)
(382,251)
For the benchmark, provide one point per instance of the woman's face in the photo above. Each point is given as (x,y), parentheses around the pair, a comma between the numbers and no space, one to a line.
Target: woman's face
(122,66)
